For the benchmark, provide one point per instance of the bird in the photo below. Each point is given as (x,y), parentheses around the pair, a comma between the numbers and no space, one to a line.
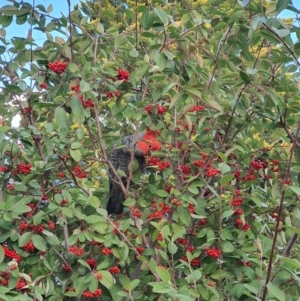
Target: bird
(142,144)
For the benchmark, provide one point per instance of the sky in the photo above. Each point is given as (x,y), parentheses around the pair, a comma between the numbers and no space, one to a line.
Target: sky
(61,7)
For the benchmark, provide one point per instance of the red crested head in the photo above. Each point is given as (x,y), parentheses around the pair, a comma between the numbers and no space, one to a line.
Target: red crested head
(149,142)
(155,145)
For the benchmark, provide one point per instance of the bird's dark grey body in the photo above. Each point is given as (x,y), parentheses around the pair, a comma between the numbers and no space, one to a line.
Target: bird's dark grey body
(120,159)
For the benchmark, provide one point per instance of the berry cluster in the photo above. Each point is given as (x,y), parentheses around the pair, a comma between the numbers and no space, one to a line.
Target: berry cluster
(98,275)
(92,263)
(43,86)
(140,250)
(197,108)
(76,251)
(153,161)
(176,202)
(60,174)
(33,207)
(136,212)
(3,168)
(58,66)
(194,262)
(114,270)
(211,172)
(64,202)
(161,110)
(23,226)
(213,252)
(110,94)
(240,224)
(12,254)
(44,197)
(116,230)
(185,169)
(29,247)
(51,225)
(27,110)
(37,229)
(75,88)
(164,209)
(202,222)
(67,268)
(23,168)
(4,277)
(168,188)
(96,293)
(275,216)
(238,212)
(237,201)
(250,176)
(20,284)
(191,208)
(182,241)
(123,75)
(88,103)
(106,251)
(190,249)
(10,187)
(78,173)
(257,165)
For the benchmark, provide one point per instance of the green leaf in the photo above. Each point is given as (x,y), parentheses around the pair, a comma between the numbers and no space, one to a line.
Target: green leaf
(77,111)
(163,274)
(134,53)
(107,279)
(227,247)
(39,242)
(76,145)
(8,10)
(60,117)
(73,67)
(226,179)
(84,263)
(162,15)
(184,215)
(227,213)
(67,212)
(224,168)
(193,189)
(161,60)
(160,288)
(50,9)
(75,154)
(84,87)
(52,239)
(245,77)
(172,248)
(144,19)
(162,193)
(251,288)
(275,291)
(133,284)
(295,189)
(94,202)
(281,5)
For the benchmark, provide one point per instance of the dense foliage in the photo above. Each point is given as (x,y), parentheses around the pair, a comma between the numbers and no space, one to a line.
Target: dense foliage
(216,214)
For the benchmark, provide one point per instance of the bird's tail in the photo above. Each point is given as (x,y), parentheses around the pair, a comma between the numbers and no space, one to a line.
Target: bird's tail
(116,199)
